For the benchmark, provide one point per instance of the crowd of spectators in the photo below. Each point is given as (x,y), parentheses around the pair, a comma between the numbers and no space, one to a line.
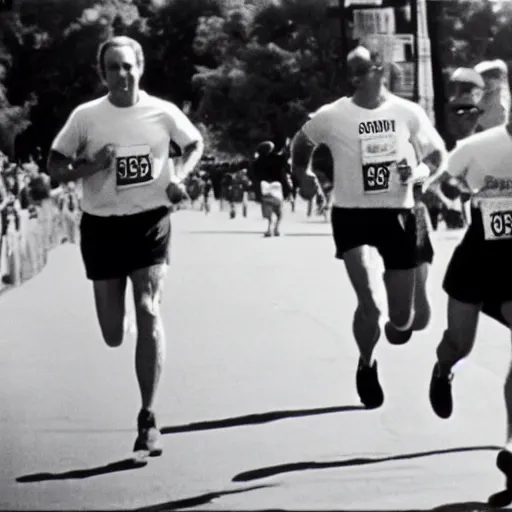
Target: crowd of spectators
(34,217)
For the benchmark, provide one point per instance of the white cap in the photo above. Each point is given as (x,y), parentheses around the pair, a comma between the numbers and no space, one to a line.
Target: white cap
(491,65)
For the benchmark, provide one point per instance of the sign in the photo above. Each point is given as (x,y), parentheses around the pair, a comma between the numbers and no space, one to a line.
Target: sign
(374,21)
(362,2)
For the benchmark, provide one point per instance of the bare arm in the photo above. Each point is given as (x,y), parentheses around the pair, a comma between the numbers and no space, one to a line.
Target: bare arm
(63,169)
(435,163)
(301,151)
(451,176)
(190,158)
(191,155)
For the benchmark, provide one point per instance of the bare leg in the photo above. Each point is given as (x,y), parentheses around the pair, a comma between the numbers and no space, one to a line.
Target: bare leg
(150,349)
(109,295)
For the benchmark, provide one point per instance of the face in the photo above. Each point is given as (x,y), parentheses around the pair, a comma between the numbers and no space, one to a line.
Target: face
(122,72)
(367,74)
(463,121)
(493,80)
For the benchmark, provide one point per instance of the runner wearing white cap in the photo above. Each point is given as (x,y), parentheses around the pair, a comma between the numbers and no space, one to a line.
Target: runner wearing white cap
(495,103)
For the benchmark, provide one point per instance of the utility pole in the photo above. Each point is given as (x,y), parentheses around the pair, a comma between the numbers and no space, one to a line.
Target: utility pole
(337,8)
(344,46)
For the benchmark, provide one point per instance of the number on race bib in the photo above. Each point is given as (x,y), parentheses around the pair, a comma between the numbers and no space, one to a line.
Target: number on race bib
(501,224)
(376,177)
(133,166)
(497,218)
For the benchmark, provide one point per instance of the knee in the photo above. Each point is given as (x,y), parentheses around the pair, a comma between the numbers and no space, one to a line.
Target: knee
(113,334)
(402,319)
(452,348)
(369,312)
(506,312)
(421,319)
(148,307)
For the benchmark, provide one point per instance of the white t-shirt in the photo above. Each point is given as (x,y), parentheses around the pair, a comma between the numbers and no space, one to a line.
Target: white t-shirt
(142,170)
(484,161)
(366,145)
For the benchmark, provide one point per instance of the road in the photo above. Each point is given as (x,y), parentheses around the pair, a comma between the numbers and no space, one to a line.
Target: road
(257,402)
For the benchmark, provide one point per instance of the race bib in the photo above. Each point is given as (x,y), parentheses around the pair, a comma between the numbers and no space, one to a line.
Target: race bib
(497,217)
(379,156)
(134,166)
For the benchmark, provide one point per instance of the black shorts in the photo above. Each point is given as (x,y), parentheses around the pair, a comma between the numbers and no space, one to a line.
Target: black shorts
(394,233)
(115,246)
(479,269)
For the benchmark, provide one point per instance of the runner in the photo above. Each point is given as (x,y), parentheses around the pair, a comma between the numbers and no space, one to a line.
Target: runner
(322,167)
(496,101)
(479,266)
(119,145)
(194,186)
(381,145)
(464,111)
(207,191)
(271,184)
(69,207)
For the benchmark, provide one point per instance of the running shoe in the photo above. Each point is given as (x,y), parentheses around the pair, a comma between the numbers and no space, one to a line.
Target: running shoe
(368,386)
(504,464)
(441,393)
(149,437)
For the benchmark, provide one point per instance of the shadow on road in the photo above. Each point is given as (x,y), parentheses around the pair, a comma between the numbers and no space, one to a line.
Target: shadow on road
(256,419)
(361,461)
(203,499)
(79,474)
(196,501)
(454,507)
(470,506)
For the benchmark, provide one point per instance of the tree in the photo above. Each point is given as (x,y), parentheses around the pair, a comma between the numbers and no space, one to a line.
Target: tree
(170,34)
(271,66)
(14,119)
(58,53)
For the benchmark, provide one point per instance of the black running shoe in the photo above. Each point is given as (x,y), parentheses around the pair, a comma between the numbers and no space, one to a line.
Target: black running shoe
(396,337)
(441,393)
(368,386)
(503,498)
(504,464)
(149,437)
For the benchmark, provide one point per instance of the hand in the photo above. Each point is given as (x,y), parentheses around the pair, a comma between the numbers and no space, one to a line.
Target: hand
(104,157)
(404,171)
(176,192)
(451,188)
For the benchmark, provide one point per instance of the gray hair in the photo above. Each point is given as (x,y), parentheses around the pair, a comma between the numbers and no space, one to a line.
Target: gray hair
(116,42)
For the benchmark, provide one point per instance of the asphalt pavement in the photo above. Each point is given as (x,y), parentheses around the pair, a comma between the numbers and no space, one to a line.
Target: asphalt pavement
(257,402)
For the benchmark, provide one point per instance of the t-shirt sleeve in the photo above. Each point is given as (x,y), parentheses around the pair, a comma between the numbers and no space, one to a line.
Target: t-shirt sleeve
(71,138)
(317,128)
(424,137)
(459,160)
(181,129)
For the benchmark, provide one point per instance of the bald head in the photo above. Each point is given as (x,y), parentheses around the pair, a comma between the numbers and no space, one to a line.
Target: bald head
(358,57)
(365,70)
(360,60)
